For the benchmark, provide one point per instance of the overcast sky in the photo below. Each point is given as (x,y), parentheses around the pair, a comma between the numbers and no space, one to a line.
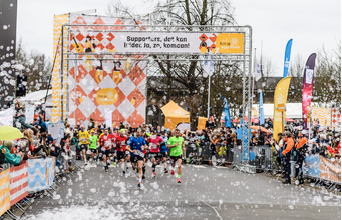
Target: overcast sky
(311,23)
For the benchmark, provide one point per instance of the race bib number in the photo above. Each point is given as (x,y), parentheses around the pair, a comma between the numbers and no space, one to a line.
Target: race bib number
(107,143)
(137,152)
(141,154)
(122,142)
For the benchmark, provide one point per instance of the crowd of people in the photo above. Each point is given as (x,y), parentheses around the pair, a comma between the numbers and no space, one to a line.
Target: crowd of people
(126,147)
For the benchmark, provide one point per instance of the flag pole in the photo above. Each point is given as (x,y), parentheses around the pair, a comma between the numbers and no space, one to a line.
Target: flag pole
(253,79)
(209,95)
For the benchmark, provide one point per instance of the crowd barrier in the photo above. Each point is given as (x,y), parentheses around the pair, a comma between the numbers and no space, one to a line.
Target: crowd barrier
(225,154)
(18,181)
(319,167)
(262,158)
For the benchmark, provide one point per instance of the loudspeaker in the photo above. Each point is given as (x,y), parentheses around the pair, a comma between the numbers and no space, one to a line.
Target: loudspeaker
(21,86)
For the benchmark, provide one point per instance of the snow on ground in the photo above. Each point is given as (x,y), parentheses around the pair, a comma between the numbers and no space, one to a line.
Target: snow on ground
(101,211)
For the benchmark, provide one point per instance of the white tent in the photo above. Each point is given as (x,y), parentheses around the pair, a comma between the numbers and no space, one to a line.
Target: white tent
(293,110)
(37,96)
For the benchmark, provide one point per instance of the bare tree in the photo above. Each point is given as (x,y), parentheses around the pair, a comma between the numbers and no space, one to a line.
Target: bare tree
(37,68)
(327,79)
(296,71)
(267,82)
(187,76)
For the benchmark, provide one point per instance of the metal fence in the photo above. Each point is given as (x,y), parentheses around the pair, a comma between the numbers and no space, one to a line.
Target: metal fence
(261,157)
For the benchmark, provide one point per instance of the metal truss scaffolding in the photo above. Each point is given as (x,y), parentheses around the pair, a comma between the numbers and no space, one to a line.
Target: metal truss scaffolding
(245,58)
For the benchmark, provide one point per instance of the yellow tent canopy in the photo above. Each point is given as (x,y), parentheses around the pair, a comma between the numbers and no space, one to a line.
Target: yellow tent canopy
(174,115)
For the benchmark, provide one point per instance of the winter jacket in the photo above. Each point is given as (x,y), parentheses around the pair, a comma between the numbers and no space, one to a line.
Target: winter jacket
(21,120)
(55,151)
(46,149)
(11,158)
(289,145)
(41,123)
(2,158)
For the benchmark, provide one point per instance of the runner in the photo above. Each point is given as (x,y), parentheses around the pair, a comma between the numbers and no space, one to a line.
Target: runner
(93,140)
(121,141)
(106,142)
(135,146)
(176,144)
(163,150)
(83,136)
(154,144)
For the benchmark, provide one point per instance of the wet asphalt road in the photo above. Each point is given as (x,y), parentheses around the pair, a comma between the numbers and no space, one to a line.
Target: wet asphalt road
(206,192)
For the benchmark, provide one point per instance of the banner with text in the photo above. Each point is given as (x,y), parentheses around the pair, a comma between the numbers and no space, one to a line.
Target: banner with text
(157,42)
(307,88)
(29,114)
(56,131)
(280,99)
(6,117)
(330,169)
(18,183)
(97,84)
(5,191)
(312,166)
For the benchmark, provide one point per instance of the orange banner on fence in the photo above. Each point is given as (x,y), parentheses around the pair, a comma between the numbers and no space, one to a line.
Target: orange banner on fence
(330,170)
(18,183)
(5,191)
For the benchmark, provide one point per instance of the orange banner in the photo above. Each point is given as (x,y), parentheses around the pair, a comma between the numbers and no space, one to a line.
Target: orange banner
(5,191)
(18,183)
(330,170)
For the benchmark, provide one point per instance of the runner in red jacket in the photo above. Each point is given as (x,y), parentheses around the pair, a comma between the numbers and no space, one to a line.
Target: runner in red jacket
(121,141)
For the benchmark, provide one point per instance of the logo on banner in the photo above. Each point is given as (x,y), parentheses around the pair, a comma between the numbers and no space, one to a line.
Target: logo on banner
(287,63)
(309,76)
(230,43)
(107,96)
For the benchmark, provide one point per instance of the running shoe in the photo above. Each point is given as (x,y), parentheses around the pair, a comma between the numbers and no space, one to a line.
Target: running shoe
(139,184)
(154,174)
(123,173)
(172,172)
(179,180)
(143,176)
(165,171)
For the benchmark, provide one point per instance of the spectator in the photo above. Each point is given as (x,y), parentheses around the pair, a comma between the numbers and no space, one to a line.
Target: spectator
(55,152)
(255,141)
(37,149)
(40,122)
(210,123)
(215,143)
(46,145)
(122,126)
(91,124)
(65,151)
(68,130)
(9,157)
(20,118)
(2,158)
(261,138)
(25,142)
(269,138)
